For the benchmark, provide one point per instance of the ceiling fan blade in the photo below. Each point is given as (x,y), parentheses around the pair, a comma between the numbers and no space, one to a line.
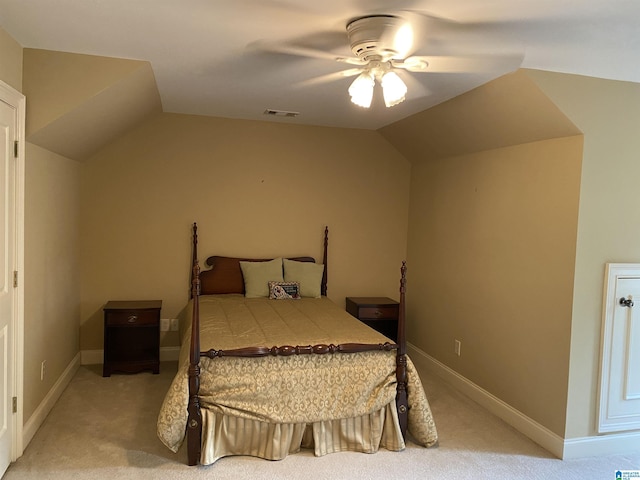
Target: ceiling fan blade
(462,63)
(288,49)
(417,30)
(330,77)
(439,35)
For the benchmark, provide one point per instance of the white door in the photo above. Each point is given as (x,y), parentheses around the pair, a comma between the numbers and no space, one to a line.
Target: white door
(620,368)
(8,161)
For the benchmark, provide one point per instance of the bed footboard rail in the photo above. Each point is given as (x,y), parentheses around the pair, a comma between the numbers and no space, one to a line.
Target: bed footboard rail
(288,350)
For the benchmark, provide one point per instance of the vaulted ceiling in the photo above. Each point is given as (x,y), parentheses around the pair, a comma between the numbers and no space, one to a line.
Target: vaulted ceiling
(209,58)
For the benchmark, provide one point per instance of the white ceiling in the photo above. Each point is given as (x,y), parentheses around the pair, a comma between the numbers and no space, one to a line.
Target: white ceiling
(202,56)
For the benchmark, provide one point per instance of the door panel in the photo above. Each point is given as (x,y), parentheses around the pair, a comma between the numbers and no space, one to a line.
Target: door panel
(619,408)
(8,128)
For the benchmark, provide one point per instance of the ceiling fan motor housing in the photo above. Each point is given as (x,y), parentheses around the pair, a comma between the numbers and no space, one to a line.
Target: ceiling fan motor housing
(373,36)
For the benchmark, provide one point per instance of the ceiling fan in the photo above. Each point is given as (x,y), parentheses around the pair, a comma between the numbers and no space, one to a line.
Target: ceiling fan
(382,45)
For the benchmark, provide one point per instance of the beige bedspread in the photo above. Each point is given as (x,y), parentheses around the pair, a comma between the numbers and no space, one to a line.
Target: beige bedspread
(317,388)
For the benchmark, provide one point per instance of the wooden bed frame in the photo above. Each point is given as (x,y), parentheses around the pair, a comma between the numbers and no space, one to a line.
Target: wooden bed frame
(206,283)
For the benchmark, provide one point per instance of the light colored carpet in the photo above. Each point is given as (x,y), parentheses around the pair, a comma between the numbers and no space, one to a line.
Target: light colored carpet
(104,428)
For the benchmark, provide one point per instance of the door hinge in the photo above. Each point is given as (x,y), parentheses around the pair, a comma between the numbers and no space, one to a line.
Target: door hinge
(15,149)
(15,279)
(15,404)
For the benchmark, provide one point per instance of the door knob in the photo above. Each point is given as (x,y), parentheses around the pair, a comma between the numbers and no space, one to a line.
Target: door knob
(626,302)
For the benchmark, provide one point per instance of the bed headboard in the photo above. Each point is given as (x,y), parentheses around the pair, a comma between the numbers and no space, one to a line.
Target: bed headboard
(225,274)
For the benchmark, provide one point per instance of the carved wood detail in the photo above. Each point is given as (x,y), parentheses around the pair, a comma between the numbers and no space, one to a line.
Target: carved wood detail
(288,350)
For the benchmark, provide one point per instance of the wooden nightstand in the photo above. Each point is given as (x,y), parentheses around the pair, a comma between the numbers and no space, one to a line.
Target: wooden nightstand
(131,336)
(380,313)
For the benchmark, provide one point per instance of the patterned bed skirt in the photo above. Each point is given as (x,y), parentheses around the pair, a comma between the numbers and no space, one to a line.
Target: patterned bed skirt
(225,435)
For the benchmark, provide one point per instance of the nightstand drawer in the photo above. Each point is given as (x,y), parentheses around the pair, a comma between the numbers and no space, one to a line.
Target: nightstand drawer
(380,313)
(132,317)
(372,313)
(131,336)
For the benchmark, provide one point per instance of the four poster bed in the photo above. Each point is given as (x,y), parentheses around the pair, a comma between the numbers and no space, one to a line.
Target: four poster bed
(330,383)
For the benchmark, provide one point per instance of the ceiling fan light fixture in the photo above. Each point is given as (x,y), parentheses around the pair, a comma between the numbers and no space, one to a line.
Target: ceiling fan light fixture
(361,90)
(393,89)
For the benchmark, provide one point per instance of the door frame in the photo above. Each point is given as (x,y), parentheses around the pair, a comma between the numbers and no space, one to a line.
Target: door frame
(16,99)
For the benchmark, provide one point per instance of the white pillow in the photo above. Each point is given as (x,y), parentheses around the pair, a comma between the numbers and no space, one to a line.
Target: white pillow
(307,274)
(257,276)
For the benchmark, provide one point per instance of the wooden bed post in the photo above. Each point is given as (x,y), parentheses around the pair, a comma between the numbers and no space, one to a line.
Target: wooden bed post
(401,358)
(324,261)
(194,256)
(194,420)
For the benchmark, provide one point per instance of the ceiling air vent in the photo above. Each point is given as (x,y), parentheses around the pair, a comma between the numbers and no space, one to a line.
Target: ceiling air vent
(280,113)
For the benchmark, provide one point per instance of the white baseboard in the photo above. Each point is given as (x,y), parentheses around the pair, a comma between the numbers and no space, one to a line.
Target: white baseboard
(525,425)
(91,357)
(94,357)
(609,444)
(169,354)
(32,425)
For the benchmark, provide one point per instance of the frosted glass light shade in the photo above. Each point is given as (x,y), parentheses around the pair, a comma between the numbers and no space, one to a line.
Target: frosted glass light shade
(361,90)
(393,89)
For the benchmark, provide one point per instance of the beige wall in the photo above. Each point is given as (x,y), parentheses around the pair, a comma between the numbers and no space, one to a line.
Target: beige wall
(609,222)
(510,110)
(491,241)
(10,61)
(58,82)
(492,246)
(255,189)
(51,313)
(52,293)
(79,103)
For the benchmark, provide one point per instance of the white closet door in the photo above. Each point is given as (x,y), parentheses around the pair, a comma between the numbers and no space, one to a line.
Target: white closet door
(619,407)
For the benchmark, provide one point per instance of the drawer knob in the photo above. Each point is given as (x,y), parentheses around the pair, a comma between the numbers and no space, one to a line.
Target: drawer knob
(378,313)
(132,319)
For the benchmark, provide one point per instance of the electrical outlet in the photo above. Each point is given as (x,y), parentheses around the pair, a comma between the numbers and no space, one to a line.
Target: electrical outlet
(175,325)
(165,323)
(456,346)
(43,366)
